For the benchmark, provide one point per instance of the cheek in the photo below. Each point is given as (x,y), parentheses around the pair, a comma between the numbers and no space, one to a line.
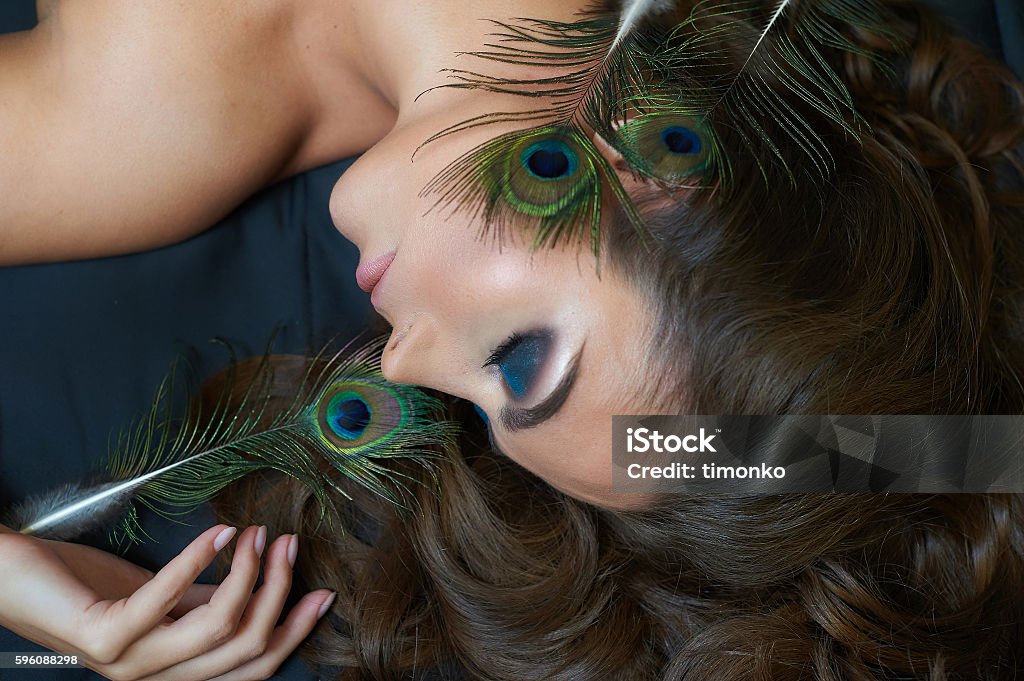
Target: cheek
(573,453)
(579,466)
(453,273)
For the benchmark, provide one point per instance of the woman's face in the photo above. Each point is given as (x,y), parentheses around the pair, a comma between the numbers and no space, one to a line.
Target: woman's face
(544,346)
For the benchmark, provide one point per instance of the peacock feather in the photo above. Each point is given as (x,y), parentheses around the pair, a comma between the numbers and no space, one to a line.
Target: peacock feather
(665,84)
(343,419)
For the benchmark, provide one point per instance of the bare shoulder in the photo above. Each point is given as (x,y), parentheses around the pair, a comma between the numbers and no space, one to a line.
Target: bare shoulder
(130,124)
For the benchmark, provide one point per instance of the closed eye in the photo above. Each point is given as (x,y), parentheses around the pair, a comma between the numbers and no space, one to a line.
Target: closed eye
(520,359)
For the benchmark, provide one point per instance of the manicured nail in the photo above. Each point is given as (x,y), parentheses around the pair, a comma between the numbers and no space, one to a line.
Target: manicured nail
(326,605)
(293,549)
(260,542)
(223,538)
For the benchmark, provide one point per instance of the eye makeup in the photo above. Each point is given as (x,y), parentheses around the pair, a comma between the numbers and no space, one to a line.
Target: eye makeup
(520,359)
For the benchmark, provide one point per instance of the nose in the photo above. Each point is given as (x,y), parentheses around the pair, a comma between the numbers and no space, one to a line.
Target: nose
(354,204)
(338,202)
(419,354)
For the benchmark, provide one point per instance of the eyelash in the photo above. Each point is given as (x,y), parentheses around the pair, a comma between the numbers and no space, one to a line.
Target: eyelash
(505,349)
(519,371)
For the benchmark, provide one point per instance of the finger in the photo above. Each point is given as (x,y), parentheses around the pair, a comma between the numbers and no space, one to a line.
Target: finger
(126,620)
(285,639)
(197,594)
(266,606)
(257,626)
(199,629)
(232,596)
(207,626)
(202,594)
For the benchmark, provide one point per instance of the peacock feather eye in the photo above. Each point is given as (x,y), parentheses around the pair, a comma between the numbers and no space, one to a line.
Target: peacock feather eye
(348,415)
(357,412)
(546,181)
(546,175)
(667,147)
(681,140)
(550,160)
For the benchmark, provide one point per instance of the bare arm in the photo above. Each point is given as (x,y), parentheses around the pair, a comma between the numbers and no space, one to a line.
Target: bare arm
(131,124)
(127,623)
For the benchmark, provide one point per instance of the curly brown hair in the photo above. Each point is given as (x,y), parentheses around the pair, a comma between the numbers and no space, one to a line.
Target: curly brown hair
(894,288)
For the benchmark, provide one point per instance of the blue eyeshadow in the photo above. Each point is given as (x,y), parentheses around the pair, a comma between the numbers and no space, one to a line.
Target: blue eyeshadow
(522,363)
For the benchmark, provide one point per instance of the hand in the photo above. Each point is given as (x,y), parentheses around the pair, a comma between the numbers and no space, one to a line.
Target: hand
(128,623)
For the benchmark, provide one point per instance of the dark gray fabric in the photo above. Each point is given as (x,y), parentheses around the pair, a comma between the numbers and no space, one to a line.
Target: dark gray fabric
(1010,20)
(975,20)
(17,15)
(995,25)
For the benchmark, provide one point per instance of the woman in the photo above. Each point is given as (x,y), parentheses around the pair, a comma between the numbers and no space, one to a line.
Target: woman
(789,317)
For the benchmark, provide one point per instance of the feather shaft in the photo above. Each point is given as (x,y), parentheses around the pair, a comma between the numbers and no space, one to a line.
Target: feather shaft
(633,13)
(60,514)
(764,34)
(104,494)
(107,499)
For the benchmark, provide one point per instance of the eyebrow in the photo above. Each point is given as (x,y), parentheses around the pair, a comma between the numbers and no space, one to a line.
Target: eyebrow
(519,418)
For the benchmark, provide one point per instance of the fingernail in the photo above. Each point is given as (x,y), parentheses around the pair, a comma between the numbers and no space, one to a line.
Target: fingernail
(293,549)
(326,605)
(223,538)
(260,542)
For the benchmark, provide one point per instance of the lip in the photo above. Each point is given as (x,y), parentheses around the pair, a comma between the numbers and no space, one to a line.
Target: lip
(369,274)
